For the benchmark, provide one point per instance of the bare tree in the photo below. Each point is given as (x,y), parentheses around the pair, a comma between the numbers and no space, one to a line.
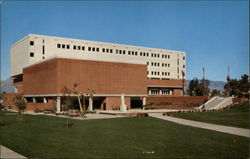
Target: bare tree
(20,103)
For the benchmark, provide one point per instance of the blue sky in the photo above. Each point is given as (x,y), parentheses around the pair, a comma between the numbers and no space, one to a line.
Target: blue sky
(214,34)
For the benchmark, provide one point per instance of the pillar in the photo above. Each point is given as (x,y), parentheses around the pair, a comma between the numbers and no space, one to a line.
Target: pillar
(144,102)
(90,104)
(58,104)
(123,106)
(45,100)
(34,100)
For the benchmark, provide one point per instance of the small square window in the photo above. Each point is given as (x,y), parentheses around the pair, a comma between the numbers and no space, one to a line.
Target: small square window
(74,47)
(31,43)
(144,54)
(97,49)
(120,51)
(124,52)
(68,46)
(31,54)
(103,50)
(43,57)
(147,54)
(63,46)
(58,45)
(111,50)
(136,53)
(140,53)
(107,50)
(79,47)
(89,49)
(169,56)
(129,52)
(93,49)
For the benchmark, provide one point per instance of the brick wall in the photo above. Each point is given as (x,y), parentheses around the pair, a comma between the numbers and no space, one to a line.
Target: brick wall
(178,100)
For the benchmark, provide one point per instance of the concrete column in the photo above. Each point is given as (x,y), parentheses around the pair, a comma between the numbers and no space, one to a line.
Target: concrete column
(149,91)
(58,104)
(90,104)
(123,106)
(34,100)
(144,102)
(160,92)
(45,100)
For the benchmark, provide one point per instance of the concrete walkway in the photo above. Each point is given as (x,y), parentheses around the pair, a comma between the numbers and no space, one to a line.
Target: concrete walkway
(220,128)
(9,154)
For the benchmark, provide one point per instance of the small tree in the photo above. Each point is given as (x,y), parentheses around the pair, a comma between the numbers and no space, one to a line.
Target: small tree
(20,103)
(68,103)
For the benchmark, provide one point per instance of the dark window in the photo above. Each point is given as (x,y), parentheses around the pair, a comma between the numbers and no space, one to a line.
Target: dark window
(124,52)
(147,63)
(140,53)
(136,53)
(68,46)
(177,61)
(132,52)
(111,50)
(89,48)
(169,56)
(43,40)
(93,49)
(43,49)
(168,65)
(116,51)
(144,54)
(43,57)
(152,55)
(97,49)
(158,55)
(63,46)
(152,64)
(183,66)
(103,50)
(107,50)
(32,54)
(74,47)
(183,57)
(58,45)
(147,54)
(129,52)
(120,51)
(79,47)
(31,43)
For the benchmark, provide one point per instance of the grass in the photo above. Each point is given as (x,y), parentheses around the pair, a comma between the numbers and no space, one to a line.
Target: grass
(237,116)
(47,137)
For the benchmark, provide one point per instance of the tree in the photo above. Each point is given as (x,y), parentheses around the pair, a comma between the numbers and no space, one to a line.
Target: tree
(215,92)
(20,103)
(67,103)
(244,85)
(198,88)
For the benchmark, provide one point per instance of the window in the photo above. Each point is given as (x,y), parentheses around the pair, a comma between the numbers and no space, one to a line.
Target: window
(152,55)
(63,46)
(43,40)
(169,56)
(107,50)
(151,63)
(31,43)
(162,56)
(129,52)
(124,52)
(177,61)
(79,47)
(147,54)
(133,52)
(68,46)
(93,49)
(43,50)
(31,54)
(168,65)
(83,48)
(89,49)
(136,53)
(58,45)
(147,63)
(144,54)
(168,73)
(97,49)
(43,57)
(74,47)
(183,57)
(103,50)
(152,73)
(140,53)
(111,50)
(184,66)
(120,51)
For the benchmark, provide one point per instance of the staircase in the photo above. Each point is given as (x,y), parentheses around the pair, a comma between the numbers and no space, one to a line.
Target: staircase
(217,103)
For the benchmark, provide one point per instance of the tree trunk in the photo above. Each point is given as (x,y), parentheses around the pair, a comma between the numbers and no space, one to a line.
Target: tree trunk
(80,104)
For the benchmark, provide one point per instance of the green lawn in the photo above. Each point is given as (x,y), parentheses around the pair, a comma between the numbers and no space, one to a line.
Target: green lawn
(47,137)
(237,116)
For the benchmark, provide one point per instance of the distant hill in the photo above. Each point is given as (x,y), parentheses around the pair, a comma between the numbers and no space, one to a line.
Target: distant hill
(219,85)
(7,86)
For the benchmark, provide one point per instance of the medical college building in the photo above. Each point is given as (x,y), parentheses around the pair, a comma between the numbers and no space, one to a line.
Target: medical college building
(42,65)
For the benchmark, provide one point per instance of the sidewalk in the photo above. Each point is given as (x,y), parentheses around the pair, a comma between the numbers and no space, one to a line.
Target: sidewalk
(9,154)
(220,128)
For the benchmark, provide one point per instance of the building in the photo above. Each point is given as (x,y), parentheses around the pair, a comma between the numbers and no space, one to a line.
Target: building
(42,65)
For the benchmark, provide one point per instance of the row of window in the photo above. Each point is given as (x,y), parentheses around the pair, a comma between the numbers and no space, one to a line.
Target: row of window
(167,91)
(158,64)
(158,73)
(75,47)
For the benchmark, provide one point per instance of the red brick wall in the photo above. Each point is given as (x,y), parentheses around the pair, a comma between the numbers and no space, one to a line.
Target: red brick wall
(179,100)
(239,100)
(115,102)
(7,100)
